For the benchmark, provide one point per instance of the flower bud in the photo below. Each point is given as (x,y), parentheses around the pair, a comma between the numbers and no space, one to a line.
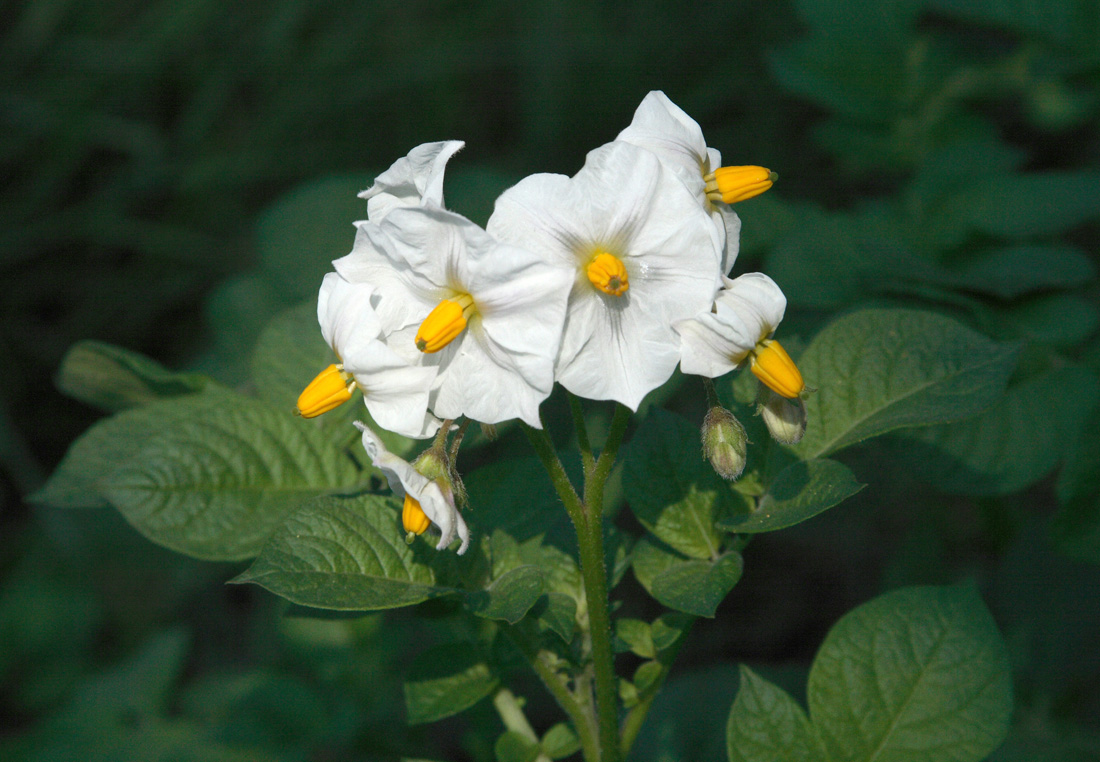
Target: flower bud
(724,443)
(785,418)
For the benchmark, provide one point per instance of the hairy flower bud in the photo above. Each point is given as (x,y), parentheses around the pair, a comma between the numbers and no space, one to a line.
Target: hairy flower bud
(785,418)
(724,443)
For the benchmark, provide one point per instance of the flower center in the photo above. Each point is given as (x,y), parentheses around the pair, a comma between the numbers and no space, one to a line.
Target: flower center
(331,388)
(732,184)
(413,518)
(608,274)
(444,323)
(776,370)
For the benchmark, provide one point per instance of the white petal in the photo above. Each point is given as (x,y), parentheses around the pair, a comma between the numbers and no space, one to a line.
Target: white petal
(413,180)
(748,309)
(395,392)
(662,127)
(345,314)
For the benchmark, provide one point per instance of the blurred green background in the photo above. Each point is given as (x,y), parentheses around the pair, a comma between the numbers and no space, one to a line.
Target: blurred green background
(174,174)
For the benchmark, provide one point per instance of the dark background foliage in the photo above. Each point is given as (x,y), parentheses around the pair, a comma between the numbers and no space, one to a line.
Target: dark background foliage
(176,173)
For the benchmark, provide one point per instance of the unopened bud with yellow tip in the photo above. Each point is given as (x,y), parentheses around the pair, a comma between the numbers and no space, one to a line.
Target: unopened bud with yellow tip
(725,443)
(771,364)
(732,184)
(331,388)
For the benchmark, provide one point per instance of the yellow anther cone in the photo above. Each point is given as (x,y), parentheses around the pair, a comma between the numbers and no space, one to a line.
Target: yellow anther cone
(776,370)
(608,273)
(330,389)
(413,517)
(733,184)
(444,324)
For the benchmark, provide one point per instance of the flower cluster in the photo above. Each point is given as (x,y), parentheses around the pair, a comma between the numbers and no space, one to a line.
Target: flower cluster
(603,282)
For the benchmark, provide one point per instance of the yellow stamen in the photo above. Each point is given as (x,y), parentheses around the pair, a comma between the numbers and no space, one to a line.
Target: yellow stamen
(776,370)
(733,184)
(444,323)
(331,388)
(413,517)
(608,274)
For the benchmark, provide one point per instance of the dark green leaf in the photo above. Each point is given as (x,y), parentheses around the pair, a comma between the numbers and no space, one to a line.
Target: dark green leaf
(692,586)
(919,673)
(112,378)
(557,612)
(800,491)
(1058,319)
(766,724)
(668,628)
(216,485)
(1013,444)
(446,680)
(879,370)
(510,596)
(346,553)
(1017,206)
(300,234)
(671,489)
(1016,270)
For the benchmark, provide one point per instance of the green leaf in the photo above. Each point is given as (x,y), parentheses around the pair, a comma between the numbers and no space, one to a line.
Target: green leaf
(112,378)
(688,585)
(560,741)
(668,628)
(919,673)
(671,489)
(1017,206)
(77,481)
(1013,444)
(300,234)
(634,635)
(557,612)
(510,596)
(216,485)
(1075,529)
(515,747)
(879,370)
(800,491)
(346,553)
(766,725)
(446,680)
(1016,270)
(1059,319)
(516,496)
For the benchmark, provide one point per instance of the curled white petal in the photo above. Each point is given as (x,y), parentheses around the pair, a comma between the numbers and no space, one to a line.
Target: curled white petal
(413,180)
(404,480)
(748,309)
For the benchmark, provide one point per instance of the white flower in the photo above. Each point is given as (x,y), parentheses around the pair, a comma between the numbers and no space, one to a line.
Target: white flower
(738,329)
(676,139)
(395,391)
(426,495)
(642,254)
(488,315)
(413,180)
(746,311)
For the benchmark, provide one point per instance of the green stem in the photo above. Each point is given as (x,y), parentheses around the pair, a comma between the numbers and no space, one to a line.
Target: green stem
(544,448)
(582,722)
(582,434)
